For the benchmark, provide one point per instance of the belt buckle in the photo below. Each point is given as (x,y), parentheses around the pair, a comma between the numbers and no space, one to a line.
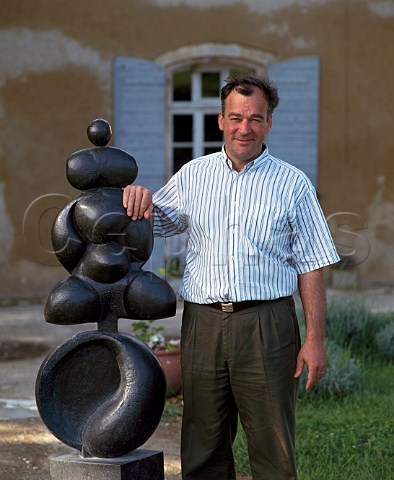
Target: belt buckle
(227,307)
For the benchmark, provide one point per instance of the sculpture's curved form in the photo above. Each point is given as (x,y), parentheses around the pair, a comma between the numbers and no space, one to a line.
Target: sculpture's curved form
(95,393)
(103,392)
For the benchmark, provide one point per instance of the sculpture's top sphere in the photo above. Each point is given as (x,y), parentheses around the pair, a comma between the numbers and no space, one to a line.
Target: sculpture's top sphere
(99,132)
(100,166)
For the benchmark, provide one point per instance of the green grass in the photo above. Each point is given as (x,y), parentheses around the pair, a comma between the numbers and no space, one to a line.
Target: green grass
(345,439)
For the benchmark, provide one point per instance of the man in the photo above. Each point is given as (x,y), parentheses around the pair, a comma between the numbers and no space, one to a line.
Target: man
(256,232)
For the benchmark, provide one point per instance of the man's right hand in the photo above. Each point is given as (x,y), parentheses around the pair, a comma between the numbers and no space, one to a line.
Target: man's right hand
(138,203)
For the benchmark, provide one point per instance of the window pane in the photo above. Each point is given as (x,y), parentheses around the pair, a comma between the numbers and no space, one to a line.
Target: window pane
(211,129)
(210,85)
(181,156)
(183,128)
(182,86)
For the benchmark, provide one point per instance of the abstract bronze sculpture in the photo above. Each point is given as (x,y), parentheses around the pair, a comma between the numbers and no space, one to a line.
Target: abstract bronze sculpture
(103,391)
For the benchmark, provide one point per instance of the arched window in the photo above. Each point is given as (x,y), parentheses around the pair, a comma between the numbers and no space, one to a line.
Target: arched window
(195,75)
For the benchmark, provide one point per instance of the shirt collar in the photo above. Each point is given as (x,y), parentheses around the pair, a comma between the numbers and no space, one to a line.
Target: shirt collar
(254,163)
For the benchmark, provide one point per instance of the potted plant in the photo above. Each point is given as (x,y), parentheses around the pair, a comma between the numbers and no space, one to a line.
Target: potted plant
(167,351)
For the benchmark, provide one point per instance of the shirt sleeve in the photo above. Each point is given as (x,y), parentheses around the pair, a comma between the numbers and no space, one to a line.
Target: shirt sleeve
(312,245)
(168,220)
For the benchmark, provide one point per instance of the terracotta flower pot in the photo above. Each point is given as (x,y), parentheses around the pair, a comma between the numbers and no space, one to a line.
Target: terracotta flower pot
(171,362)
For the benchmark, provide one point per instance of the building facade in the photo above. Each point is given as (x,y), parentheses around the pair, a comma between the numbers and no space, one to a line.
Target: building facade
(153,69)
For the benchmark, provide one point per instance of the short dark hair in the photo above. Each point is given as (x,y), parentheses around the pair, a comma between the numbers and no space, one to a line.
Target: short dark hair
(245,85)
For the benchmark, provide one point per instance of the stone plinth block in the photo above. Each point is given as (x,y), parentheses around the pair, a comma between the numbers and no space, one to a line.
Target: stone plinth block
(138,465)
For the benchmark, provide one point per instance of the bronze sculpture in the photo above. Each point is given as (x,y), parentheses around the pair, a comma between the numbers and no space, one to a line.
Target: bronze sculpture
(103,392)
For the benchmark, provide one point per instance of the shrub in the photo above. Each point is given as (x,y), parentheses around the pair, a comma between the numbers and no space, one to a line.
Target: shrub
(342,374)
(351,325)
(384,340)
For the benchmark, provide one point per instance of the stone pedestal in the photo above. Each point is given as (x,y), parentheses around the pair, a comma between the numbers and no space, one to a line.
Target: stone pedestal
(138,465)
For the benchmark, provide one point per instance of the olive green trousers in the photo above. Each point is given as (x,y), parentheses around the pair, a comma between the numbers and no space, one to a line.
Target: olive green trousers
(242,364)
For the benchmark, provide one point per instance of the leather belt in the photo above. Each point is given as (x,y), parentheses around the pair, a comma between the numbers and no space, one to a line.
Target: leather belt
(230,307)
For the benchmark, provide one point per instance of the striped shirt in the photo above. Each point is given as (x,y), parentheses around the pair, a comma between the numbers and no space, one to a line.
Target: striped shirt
(250,233)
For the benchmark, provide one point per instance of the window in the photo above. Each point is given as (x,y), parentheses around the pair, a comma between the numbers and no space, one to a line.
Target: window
(194,107)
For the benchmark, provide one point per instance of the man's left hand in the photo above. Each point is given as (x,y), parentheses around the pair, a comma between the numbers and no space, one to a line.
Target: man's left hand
(313,355)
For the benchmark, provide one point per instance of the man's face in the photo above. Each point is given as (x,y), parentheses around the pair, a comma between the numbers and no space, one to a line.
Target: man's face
(245,124)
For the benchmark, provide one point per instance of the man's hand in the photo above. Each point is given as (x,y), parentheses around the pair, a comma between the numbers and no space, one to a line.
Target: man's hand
(137,201)
(312,354)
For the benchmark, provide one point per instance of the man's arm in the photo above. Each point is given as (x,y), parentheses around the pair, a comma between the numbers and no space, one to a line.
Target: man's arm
(313,296)
(138,203)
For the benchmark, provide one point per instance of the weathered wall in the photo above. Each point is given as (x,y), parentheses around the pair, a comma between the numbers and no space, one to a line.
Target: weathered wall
(56,76)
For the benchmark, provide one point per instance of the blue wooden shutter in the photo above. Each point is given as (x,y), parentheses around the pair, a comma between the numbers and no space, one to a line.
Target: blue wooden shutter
(139,127)
(139,117)
(295,130)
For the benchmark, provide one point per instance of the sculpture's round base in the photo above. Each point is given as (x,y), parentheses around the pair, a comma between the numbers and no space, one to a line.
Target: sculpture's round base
(101,393)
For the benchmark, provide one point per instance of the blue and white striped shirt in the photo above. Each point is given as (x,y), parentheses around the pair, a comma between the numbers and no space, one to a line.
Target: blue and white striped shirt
(250,233)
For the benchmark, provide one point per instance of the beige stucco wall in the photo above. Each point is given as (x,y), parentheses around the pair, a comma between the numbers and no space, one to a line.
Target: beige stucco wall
(56,76)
